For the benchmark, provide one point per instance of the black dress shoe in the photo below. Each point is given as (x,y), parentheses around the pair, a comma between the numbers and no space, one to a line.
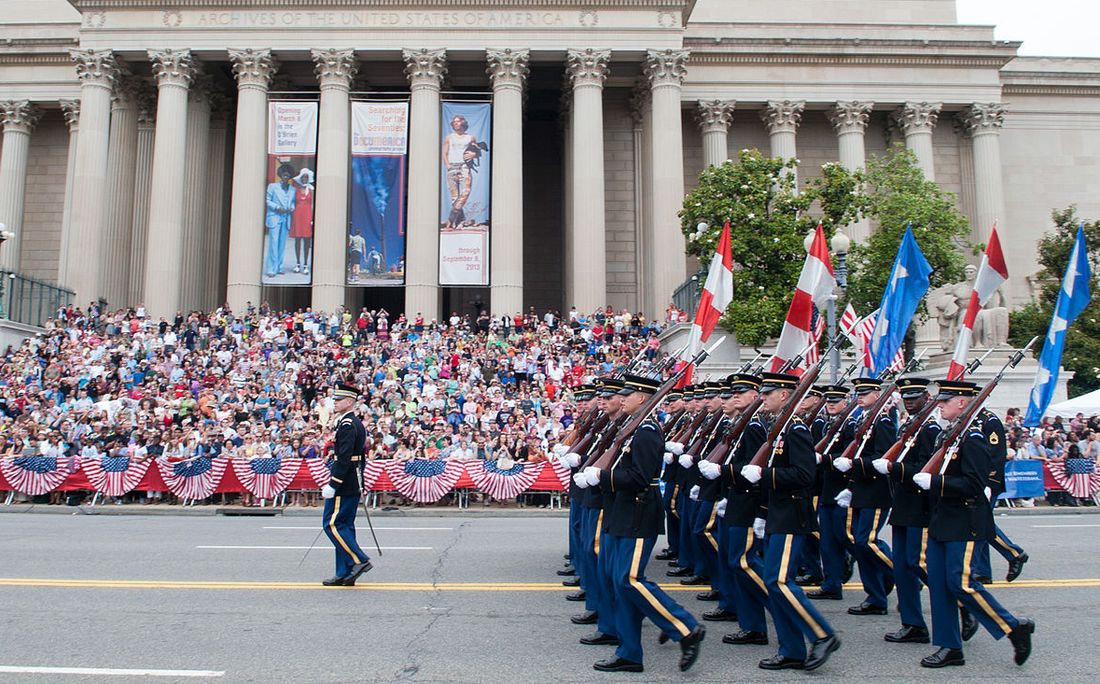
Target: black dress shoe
(822,595)
(887,585)
(566,557)
(571,582)
(969,624)
(1021,640)
(576,596)
(356,570)
(588,617)
(333,582)
(849,568)
(1015,567)
(983,579)
(943,658)
(820,652)
(720,615)
(778,662)
(695,580)
(867,609)
(808,581)
(745,637)
(689,647)
(663,638)
(711,595)
(600,639)
(567,572)
(908,635)
(665,555)
(618,665)
(680,572)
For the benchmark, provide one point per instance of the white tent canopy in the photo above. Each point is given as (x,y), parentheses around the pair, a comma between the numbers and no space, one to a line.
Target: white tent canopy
(1088,404)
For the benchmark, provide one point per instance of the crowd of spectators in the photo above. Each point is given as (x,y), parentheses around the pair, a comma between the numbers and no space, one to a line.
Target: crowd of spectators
(258,383)
(1055,440)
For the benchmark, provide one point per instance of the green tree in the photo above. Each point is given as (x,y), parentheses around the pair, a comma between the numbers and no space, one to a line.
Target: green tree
(767,226)
(1082,349)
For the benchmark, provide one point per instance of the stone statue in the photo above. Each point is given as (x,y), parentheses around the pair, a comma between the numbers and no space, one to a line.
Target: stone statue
(991,324)
(943,306)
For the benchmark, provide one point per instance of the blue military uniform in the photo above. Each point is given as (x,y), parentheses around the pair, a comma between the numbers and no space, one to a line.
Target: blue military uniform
(338,516)
(670,476)
(833,518)
(994,431)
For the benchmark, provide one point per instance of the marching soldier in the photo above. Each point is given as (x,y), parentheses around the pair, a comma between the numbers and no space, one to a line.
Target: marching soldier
(583,396)
(686,562)
(705,528)
(833,517)
(675,404)
(809,566)
(787,480)
(961,519)
(342,492)
(994,431)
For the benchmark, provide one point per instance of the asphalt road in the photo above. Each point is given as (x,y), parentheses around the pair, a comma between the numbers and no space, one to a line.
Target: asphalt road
(452,599)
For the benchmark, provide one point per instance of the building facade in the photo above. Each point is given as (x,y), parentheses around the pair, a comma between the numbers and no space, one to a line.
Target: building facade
(135,134)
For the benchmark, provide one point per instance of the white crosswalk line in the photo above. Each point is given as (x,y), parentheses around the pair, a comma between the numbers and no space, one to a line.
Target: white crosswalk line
(109,671)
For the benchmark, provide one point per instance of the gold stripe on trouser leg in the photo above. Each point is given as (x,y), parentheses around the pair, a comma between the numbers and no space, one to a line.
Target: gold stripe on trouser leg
(1003,545)
(635,562)
(710,526)
(924,550)
(596,540)
(848,528)
(332,526)
(672,501)
(750,538)
(816,533)
(872,537)
(976,595)
(789,595)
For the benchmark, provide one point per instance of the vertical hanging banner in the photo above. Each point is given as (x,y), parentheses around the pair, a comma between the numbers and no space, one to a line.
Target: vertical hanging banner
(376,231)
(464,215)
(288,214)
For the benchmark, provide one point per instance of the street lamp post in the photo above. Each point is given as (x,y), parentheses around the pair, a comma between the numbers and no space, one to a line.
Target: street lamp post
(5,235)
(840,245)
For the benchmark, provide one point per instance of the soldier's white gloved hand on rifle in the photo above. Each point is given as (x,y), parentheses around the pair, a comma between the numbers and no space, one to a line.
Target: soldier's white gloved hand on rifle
(720,507)
(694,493)
(572,459)
(327,492)
(685,461)
(758,525)
(844,499)
(592,474)
(560,449)
(817,457)
(881,465)
(709,470)
(752,473)
(669,457)
(923,480)
(842,464)
(675,447)
(988,494)
(580,480)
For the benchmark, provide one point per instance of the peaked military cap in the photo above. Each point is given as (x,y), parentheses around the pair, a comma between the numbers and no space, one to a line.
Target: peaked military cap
(816,391)
(774,381)
(639,383)
(743,382)
(957,388)
(609,386)
(913,388)
(836,393)
(345,391)
(867,384)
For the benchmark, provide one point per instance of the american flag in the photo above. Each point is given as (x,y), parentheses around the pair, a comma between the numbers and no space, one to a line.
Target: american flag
(563,473)
(424,480)
(321,471)
(1077,476)
(195,478)
(34,475)
(503,484)
(114,475)
(860,330)
(266,478)
(814,354)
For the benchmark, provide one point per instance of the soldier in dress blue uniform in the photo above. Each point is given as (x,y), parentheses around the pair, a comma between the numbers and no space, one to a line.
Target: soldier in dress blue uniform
(787,482)
(696,511)
(633,522)
(832,517)
(342,492)
(677,416)
(721,581)
(994,431)
(694,397)
(809,566)
(582,396)
(909,516)
(962,519)
(870,502)
(705,527)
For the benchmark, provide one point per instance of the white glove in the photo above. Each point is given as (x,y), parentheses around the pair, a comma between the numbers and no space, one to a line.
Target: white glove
(675,447)
(685,460)
(560,449)
(844,499)
(988,494)
(817,457)
(669,457)
(709,470)
(923,480)
(758,525)
(572,459)
(721,508)
(592,474)
(842,464)
(881,465)
(580,480)
(327,492)
(694,493)
(752,473)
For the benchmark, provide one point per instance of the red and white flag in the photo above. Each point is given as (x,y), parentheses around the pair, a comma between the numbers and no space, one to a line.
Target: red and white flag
(815,284)
(992,272)
(860,331)
(717,295)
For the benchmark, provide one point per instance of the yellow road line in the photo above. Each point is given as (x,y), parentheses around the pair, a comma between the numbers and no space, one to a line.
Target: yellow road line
(419,586)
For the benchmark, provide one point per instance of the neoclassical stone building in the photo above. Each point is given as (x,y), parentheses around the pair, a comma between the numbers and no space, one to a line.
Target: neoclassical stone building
(132,166)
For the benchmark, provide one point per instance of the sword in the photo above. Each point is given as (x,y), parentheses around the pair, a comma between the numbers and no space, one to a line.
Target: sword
(366,511)
(319,533)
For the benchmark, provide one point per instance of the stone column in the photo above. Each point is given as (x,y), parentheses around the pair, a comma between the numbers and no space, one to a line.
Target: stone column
(19,119)
(121,161)
(173,70)
(565,108)
(197,231)
(96,70)
(217,231)
(71,110)
(782,119)
(508,70)
(917,120)
(425,69)
(588,69)
(715,118)
(641,114)
(143,169)
(253,69)
(850,120)
(335,70)
(665,70)
(983,123)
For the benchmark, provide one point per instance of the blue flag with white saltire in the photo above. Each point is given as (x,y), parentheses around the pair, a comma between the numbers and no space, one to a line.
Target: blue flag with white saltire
(1072,300)
(907,285)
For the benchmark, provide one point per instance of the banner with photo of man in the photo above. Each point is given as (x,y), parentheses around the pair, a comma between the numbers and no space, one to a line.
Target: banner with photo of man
(465,210)
(288,214)
(376,229)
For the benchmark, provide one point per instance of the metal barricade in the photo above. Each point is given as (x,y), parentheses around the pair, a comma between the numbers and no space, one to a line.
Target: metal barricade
(30,301)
